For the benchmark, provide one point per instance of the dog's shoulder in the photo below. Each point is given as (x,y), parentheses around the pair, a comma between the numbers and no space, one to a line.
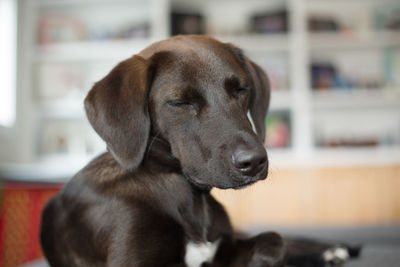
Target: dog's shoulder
(106,177)
(101,169)
(103,174)
(91,182)
(101,188)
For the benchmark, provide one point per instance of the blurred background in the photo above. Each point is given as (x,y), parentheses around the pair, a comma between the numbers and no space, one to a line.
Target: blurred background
(333,129)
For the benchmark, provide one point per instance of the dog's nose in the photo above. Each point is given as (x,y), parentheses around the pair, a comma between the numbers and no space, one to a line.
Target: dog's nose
(249,161)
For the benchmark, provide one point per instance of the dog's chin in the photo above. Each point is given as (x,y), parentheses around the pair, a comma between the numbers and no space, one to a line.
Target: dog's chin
(244,185)
(198,184)
(230,183)
(240,185)
(248,181)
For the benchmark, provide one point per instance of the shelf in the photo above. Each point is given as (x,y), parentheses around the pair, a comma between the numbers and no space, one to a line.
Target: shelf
(335,157)
(63,3)
(91,50)
(295,49)
(352,40)
(121,49)
(259,42)
(281,99)
(65,109)
(358,156)
(356,98)
(53,169)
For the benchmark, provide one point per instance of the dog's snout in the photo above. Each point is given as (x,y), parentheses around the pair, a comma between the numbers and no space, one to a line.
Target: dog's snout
(249,161)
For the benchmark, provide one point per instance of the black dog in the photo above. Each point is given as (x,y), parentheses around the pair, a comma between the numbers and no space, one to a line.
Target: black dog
(177,120)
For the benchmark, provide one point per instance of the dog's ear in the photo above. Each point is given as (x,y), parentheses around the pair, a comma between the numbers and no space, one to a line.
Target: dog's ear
(259,101)
(261,92)
(117,109)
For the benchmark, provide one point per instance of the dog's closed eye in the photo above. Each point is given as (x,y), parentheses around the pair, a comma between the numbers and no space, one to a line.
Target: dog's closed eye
(187,98)
(183,104)
(241,91)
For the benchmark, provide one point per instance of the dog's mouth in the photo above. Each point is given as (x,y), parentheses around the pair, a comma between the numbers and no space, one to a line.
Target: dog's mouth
(230,183)
(198,184)
(244,185)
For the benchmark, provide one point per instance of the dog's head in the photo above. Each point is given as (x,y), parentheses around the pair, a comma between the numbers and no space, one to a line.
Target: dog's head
(204,98)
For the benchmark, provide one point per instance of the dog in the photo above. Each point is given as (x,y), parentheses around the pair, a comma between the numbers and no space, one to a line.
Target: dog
(183,116)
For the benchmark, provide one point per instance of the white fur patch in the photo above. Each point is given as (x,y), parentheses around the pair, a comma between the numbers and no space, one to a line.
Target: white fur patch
(251,121)
(336,254)
(198,253)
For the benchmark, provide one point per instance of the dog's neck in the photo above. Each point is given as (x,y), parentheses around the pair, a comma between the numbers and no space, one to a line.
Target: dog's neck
(158,155)
(159,158)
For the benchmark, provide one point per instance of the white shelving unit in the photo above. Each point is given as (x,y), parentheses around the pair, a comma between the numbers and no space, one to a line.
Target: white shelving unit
(298,46)
(357,98)
(368,39)
(355,108)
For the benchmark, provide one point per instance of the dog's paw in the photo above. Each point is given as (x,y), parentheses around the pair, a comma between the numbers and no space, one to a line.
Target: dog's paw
(268,251)
(335,256)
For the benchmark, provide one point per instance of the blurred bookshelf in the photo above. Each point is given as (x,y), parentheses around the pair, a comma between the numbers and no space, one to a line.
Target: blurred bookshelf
(354,40)
(304,46)
(354,58)
(356,98)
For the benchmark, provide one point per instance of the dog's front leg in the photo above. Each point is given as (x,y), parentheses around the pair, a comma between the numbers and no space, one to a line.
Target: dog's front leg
(264,250)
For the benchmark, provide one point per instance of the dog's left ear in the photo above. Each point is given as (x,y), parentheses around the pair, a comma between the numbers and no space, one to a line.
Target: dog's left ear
(259,101)
(261,91)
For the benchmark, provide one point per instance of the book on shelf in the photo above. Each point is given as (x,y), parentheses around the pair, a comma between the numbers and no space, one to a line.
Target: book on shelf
(367,69)
(270,22)
(278,129)
(61,28)
(67,137)
(187,23)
